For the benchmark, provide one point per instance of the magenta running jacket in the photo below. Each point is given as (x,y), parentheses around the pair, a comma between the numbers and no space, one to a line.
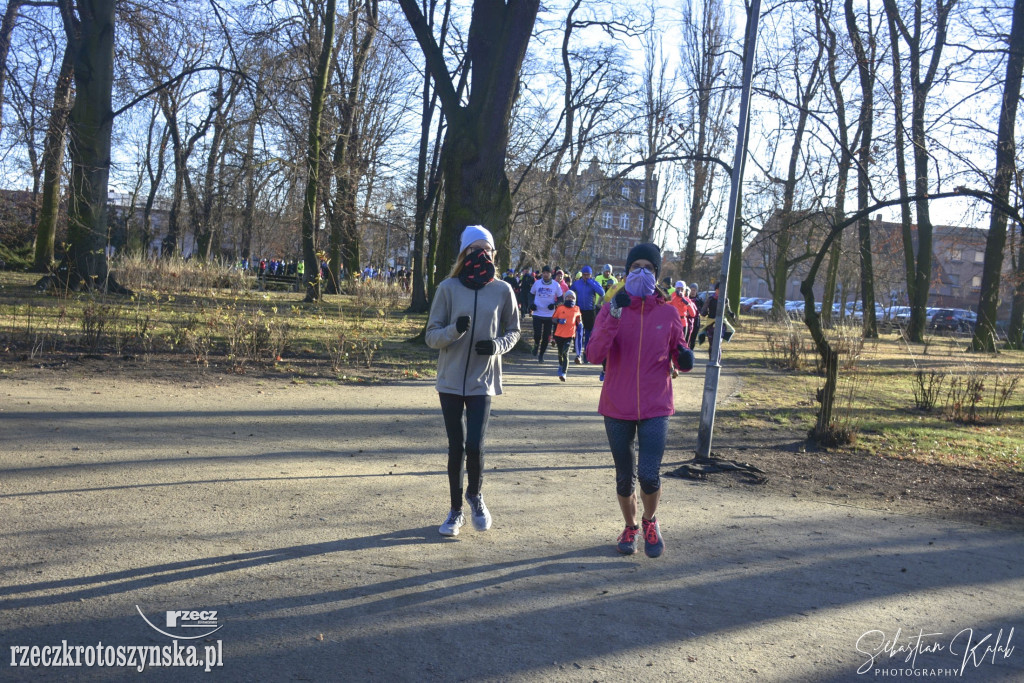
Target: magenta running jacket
(639,348)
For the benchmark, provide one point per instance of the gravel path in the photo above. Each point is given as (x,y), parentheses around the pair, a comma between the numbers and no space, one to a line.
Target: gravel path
(306,516)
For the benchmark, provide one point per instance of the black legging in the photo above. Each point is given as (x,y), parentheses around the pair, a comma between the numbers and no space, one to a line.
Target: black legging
(542,329)
(563,352)
(465,442)
(588,318)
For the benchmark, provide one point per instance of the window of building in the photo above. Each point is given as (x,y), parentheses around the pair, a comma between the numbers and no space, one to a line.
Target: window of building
(954,279)
(607,219)
(979,257)
(976,282)
(625,191)
(956,254)
(624,221)
(640,192)
(592,190)
(640,221)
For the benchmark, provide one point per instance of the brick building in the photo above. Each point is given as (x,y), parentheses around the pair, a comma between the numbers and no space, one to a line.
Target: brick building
(598,220)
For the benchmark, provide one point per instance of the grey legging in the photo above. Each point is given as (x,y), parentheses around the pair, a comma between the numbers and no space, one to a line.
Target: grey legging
(651,435)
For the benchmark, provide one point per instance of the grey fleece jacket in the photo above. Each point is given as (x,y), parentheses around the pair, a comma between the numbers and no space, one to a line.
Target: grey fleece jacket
(493,315)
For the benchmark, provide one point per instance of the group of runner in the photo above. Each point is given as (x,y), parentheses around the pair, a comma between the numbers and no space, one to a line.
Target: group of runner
(564,309)
(640,335)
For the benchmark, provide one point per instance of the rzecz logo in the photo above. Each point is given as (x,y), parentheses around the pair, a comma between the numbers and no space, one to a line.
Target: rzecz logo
(182,623)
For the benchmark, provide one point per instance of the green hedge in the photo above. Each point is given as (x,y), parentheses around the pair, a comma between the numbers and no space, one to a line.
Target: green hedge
(16,258)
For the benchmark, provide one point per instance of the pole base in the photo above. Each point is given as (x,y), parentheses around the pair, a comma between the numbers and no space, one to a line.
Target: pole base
(699,468)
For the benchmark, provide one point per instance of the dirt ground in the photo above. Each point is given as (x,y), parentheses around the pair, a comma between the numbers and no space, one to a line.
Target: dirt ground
(790,465)
(305,514)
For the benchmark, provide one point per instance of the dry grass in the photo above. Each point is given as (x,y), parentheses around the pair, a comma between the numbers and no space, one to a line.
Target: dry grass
(233,329)
(876,396)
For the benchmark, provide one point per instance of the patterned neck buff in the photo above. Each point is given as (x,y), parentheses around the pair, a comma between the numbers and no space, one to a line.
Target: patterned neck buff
(477,269)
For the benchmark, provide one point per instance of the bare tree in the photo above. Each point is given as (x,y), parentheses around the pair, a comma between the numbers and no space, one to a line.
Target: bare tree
(806,82)
(321,76)
(837,74)
(914,31)
(707,72)
(89,25)
(348,166)
(427,183)
(985,330)
(867,65)
(476,141)
(53,166)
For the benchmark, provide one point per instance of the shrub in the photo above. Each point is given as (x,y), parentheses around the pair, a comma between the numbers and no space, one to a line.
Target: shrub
(785,346)
(176,274)
(927,388)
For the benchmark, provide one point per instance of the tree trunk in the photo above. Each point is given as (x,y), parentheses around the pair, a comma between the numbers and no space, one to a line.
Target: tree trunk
(866,70)
(475,185)
(91,37)
(782,261)
(316,110)
(53,165)
(1016,333)
(985,330)
(843,170)
(920,87)
(900,134)
(427,185)
(343,248)
(6,29)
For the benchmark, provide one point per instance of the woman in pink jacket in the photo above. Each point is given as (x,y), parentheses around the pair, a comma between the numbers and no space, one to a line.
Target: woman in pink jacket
(639,335)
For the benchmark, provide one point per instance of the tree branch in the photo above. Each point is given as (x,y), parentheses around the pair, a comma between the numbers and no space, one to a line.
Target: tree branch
(166,84)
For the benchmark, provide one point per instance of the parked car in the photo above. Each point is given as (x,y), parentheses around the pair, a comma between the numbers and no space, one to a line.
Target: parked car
(902,317)
(749,302)
(855,310)
(899,315)
(953,320)
(763,308)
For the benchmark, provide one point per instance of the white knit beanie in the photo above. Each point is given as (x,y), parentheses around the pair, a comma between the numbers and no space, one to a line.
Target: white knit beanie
(472,233)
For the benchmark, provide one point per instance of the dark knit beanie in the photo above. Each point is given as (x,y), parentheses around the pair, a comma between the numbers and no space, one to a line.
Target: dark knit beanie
(648,251)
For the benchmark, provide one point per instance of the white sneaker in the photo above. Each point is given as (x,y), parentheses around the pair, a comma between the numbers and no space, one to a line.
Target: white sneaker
(479,512)
(451,525)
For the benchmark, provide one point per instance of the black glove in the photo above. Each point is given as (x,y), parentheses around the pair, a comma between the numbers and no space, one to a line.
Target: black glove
(551,307)
(623,299)
(462,323)
(486,347)
(684,358)
(533,307)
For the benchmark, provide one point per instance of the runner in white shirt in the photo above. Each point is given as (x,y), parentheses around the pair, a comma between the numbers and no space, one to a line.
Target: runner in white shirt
(545,293)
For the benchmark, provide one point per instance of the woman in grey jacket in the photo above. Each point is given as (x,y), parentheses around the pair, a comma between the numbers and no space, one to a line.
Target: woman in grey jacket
(473,321)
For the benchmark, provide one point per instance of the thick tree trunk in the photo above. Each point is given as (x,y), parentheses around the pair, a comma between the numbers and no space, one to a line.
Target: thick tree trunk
(985,330)
(475,185)
(53,165)
(309,207)
(91,36)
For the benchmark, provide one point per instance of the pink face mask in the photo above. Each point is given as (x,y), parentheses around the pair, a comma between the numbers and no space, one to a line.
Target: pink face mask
(641,283)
